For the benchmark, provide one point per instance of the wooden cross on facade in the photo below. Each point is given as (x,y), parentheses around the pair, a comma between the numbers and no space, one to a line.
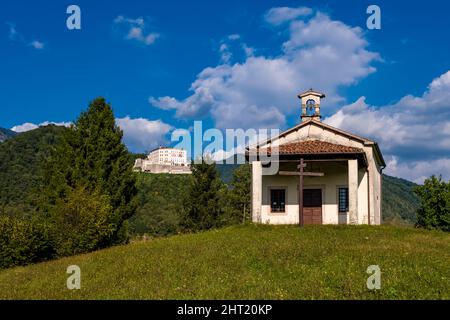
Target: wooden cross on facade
(300,173)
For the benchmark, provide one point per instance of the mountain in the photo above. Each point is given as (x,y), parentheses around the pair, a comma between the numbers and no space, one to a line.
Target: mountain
(6,134)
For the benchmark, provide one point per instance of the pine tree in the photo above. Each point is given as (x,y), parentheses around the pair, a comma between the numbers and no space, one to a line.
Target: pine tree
(202,204)
(93,157)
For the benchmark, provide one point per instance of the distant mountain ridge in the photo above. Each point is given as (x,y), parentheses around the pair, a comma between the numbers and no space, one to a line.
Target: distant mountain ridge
(6,134)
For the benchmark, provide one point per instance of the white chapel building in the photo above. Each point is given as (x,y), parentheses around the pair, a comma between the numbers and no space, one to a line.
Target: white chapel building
(325,175)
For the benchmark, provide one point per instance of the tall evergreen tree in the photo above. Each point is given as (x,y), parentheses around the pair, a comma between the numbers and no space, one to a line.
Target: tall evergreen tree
(93,157)
(202,204)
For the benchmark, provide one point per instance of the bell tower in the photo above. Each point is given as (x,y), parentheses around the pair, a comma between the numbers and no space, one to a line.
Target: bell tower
(311,105)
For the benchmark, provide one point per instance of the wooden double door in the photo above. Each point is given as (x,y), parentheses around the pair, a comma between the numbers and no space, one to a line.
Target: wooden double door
(312,206)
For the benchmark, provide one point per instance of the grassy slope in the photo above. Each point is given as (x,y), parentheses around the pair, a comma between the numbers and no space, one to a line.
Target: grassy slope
(254,261)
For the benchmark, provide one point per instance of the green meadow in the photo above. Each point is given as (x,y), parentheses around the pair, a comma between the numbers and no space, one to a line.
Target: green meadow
(251,262)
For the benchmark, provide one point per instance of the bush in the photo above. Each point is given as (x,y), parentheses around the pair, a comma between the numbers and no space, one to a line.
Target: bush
(82,222)
(434,211)
(23,241)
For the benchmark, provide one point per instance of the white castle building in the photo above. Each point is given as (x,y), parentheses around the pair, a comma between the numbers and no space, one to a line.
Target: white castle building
(164,160)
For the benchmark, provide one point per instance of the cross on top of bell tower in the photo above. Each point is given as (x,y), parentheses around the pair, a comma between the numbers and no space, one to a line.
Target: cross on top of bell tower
(311,104)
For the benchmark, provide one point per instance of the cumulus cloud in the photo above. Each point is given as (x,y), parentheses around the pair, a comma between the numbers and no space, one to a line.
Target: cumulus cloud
(27,126)
(141,134)
(414,133)
(277,16)
(261,91)
(136,29)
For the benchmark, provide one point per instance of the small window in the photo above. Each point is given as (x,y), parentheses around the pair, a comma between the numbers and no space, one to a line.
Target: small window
(277,200)
(343,199)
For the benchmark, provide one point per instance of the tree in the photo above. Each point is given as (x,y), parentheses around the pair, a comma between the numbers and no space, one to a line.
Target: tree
(240,192)
(92,156)
(202,205)
(434,211)
(80,222)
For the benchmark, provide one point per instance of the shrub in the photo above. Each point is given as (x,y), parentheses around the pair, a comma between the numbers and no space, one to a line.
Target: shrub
(23,241)
(82,222)
(434,211)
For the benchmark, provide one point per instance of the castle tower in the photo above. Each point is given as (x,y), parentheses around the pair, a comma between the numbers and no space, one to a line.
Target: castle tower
(311,105)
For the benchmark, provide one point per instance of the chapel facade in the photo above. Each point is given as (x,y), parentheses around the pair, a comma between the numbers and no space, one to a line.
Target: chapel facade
(324,175)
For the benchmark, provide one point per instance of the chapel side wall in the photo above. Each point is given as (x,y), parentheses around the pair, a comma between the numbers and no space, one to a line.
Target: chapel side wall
(377,193)
(374,184)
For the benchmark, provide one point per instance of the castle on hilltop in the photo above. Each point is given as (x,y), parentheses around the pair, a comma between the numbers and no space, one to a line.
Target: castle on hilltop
(164,160)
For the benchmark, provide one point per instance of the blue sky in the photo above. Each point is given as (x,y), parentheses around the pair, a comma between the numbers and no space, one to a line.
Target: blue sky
(239,58)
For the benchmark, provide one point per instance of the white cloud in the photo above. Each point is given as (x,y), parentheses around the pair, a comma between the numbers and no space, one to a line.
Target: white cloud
(225,53)
(234,36)
(135,29)
(141,134)
(261,91)
(37,44)
(16,36)
(12,32)
(418,171)
(277,16)
(414,132)
(27,126)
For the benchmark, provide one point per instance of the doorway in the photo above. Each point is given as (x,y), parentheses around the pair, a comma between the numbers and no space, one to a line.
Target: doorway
(312,206)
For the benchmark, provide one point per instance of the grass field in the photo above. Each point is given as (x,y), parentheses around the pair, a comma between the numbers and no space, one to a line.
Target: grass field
(251,262)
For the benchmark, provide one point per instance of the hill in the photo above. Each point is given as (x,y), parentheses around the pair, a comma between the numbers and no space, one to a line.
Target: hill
(20,159)
(251,262)
(400,203)
(6,134)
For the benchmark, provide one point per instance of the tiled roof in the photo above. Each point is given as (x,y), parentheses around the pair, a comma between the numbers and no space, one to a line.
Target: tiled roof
(314,147)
